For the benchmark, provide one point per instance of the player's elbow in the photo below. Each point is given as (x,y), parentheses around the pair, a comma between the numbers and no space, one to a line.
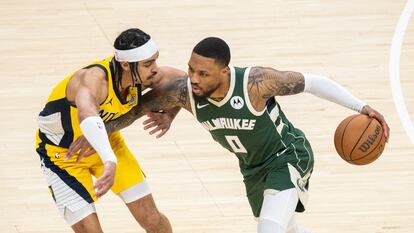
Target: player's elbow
(84,113)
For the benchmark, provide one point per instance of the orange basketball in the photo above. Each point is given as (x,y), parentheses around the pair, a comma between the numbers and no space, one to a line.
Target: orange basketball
(359,139)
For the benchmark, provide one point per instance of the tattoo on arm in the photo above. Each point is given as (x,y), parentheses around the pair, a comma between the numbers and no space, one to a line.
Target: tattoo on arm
(268,82)
(172,94)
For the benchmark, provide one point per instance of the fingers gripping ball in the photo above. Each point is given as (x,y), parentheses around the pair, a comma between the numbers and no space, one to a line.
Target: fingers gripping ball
(359,139)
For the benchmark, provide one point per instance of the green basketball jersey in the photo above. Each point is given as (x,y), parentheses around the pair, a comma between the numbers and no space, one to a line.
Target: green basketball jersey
(256,138)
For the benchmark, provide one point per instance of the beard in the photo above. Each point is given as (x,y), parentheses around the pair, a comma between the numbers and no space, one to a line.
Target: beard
(205,93)
(150,80)
(152,75)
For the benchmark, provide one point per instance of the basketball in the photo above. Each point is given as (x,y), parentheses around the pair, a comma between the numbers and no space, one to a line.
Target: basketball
(359,139)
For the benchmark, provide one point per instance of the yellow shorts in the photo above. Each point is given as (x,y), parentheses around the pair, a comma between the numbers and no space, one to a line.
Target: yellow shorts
(71,184)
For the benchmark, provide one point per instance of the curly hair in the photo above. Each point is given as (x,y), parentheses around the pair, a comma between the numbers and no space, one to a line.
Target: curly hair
(129,39)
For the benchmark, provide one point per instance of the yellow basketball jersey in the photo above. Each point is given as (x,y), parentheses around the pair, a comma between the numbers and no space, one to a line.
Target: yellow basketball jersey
(58,121)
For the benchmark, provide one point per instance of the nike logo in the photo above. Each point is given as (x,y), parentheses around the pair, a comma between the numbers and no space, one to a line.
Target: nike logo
(201,106)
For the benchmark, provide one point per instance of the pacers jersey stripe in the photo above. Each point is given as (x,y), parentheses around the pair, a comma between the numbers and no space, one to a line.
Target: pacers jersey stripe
(71,181)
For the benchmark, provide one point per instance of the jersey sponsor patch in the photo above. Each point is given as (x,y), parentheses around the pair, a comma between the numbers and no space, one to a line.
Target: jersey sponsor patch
(133,96)
(133,99)
(237,102)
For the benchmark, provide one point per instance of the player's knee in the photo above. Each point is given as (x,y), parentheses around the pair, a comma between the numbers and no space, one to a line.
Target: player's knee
(269,226)
(151,220)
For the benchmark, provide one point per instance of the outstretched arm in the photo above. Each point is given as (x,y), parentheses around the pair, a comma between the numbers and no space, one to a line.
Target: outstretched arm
(160,122)
(168,96)
(265,83)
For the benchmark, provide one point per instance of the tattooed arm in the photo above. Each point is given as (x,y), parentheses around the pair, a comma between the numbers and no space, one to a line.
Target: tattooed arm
(265,83)
(170,95)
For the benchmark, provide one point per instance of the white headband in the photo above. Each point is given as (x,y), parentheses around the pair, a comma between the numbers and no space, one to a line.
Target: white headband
(143,52)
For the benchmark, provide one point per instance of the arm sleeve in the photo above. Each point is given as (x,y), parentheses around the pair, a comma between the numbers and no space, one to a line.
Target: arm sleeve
(327,89)
(93,129)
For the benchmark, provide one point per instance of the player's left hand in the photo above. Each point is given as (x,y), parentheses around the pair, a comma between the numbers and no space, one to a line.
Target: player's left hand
(82,145)
(160,120)
(367,110)
(105,182)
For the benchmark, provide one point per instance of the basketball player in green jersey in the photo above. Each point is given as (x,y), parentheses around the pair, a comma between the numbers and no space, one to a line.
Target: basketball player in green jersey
(239,109)
(79,105)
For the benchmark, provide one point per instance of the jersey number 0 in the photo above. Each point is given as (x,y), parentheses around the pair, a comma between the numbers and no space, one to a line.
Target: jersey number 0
(235,144)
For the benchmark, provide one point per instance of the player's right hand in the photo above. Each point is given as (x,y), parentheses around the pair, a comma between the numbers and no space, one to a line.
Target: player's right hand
(80,144)
(367,110)
(158,121)
(105,182)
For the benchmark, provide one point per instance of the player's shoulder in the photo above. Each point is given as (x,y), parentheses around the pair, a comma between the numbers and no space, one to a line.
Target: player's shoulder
(261,70)
(261,75)
(172,79)
(92,77)
(96,72)
(169,72)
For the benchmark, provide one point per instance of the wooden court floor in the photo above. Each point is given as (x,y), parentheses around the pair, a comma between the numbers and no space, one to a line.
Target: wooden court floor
(195,182)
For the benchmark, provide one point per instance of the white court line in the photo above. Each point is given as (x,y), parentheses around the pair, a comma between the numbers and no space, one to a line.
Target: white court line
(394,69)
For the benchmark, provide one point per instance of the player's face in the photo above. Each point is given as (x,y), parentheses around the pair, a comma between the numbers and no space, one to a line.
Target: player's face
(147,70)
(204,74)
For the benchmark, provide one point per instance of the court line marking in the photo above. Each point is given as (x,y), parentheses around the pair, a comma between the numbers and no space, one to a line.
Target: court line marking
(394,69)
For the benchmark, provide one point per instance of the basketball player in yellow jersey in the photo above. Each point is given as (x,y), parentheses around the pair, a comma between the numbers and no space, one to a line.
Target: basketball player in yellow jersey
(79,105)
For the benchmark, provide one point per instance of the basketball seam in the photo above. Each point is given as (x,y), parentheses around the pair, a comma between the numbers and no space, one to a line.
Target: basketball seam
(372,149)
(343,133)
(350,154)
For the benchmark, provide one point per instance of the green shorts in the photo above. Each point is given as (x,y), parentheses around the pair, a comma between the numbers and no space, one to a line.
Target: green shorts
(292,169)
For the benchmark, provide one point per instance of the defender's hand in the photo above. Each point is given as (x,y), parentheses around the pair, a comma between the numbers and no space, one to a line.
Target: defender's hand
(160,120)
(80,144)
(367,110)
(105,182)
